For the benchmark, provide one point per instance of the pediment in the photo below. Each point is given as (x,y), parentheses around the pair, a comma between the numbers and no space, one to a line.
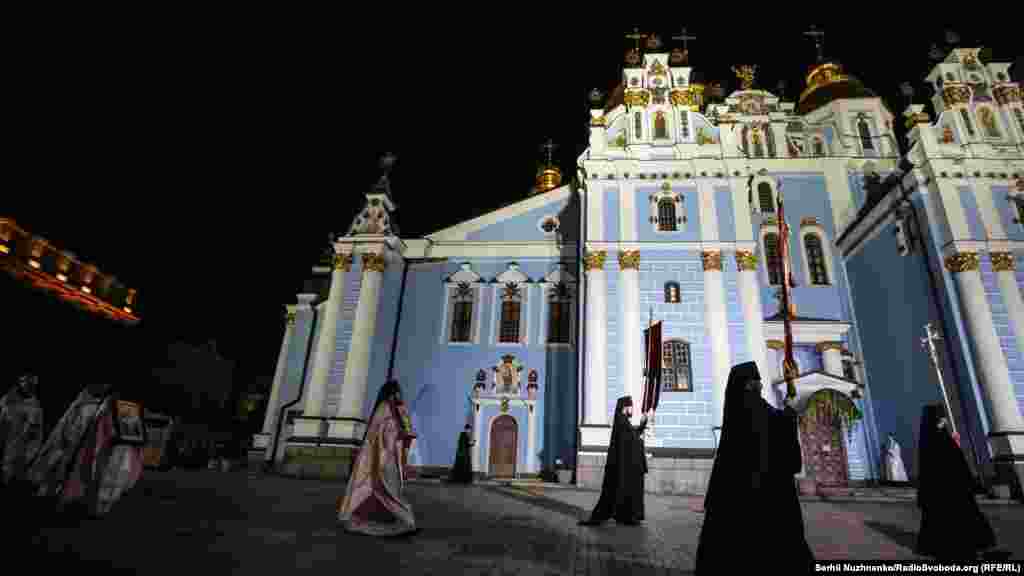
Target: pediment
(519,221)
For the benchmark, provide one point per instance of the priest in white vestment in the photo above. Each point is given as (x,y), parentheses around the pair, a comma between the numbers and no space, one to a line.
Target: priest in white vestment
(894,469)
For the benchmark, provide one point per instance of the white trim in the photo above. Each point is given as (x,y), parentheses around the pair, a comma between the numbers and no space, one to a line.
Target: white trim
(467,275)
(826,253)
(466,249)
(627,211)
(708,210)
(694,246)
(808,333)
(461,230)
(512,275)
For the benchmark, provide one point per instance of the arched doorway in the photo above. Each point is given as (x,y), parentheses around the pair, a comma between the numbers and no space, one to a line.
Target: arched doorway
(822,425)
(502,447)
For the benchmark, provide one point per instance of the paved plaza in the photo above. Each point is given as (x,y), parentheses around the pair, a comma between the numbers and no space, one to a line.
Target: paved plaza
(202,522)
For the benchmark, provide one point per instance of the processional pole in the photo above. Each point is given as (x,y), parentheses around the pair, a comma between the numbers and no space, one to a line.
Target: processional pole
(928,343)
(789,371)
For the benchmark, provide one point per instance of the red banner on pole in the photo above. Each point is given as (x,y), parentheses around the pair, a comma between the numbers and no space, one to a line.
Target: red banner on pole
(652,389)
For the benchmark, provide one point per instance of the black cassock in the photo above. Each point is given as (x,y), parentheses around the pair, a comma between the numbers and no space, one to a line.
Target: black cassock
(462,471)
(752,510)
(622,491)
(952,525)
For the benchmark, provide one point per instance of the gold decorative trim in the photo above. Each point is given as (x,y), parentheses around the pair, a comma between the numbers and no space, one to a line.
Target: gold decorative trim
(775,344)
(955,93)
(343,262)
(637,98)
(962,262)
(373,262)
(918,118)
(594,260)
(823,346)
(629,260)
(1002,261)
(504,405)
(1006,94)
(599,121)
(712,260)
(745,260)
(290,317)
(681,97)
(809,221)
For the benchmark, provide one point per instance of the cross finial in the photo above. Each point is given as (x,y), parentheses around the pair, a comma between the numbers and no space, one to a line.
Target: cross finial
(636,37)
(817,35)
(684,37)
(746,75)
(548,148)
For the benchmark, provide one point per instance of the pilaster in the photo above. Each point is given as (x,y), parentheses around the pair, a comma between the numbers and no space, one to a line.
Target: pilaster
(596,391)
(475,449)
(1004,267)
(715,319)
(632,349)
(753,315)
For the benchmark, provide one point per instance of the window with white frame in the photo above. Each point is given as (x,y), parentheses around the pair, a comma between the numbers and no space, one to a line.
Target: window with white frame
(667,210)
(772,256)
(819,146)
(461,323)
(765,195)
(817,261)
(676,366)
(560,311)
(967,122)
(638,125)
(867,141)
(684,125)
(511,291)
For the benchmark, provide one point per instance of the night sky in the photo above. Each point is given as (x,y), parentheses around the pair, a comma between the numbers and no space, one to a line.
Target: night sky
(206,169)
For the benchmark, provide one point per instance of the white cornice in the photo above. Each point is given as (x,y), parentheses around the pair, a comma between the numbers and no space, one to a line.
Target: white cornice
(807,332)
(461,230)
(474,249)
(807,384)
(681,246)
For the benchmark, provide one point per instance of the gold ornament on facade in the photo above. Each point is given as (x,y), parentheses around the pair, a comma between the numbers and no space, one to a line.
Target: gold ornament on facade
(917,118)
(745,260)
(1002,261)
(746,75)
(599,121)
(290,317)
(629,260)
(681,97)
(712,260)
(637,98)
(962,262)
(1006,94)
(809,221)
(594,260)
(504,405)
(775,344)
(657,69)
(824,346)
(548,179)
(821,76)
(955,94)
(343,262)
(373,262)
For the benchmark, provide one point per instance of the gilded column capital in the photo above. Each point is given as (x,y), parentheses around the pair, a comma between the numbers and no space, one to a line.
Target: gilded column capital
(962,262)
(290,317)
(774,344)
(594,260)
(745,260)
(1006,94)
(712,260)
(1002,261)
(823,346)
(955,94)
(373,262)
(629,259)
(343,262)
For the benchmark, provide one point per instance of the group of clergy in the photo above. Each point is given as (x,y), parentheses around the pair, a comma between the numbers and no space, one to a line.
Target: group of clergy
(752,509)
(81,469)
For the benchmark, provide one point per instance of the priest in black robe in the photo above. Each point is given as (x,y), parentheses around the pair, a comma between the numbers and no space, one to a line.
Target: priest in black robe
(752,508)
(462,471)
(952,525)
(622,491)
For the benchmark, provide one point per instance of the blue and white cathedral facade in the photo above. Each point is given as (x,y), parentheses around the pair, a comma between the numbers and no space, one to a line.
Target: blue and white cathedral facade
(527,322)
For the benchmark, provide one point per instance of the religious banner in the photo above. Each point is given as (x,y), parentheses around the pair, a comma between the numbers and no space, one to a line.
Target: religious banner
(652,366)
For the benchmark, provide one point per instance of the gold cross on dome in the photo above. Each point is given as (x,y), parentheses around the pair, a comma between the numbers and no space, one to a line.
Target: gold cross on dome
(636,37)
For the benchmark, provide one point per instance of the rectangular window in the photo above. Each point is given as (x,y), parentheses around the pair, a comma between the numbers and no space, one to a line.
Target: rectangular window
(967,122)
(684,124)
(462,321)
(559,323)
(676,374)
(509,322)
(638,122)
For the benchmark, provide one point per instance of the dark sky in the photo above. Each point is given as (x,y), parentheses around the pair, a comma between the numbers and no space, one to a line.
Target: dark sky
(206,169)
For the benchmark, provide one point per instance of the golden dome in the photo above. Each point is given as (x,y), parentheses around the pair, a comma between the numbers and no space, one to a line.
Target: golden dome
(827,82)
(548,178)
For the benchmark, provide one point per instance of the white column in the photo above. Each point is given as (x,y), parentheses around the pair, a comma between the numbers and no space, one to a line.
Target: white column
(715,319)
(279,372)
(477,422)
(989,360)
(357,363)
(323,360)
(1004,267)
(631,367)
(596,391)
(531,439)
(831,357)
(753,317)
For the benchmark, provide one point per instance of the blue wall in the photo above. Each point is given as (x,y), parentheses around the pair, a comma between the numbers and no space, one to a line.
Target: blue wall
(688,231)
(383,336)
(611,214)
(524,227)
(970,206)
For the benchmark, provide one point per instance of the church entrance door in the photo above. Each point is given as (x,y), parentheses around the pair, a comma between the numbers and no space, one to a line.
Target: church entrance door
(824,452)
(503,442)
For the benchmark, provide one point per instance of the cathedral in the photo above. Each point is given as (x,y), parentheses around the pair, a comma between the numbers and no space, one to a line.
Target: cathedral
(528,323)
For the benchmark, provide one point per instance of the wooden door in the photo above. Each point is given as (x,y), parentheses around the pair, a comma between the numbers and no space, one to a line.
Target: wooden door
(504,439)
(824,453)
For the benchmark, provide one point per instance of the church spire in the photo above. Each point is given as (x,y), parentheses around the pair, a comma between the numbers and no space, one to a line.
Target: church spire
(549,176)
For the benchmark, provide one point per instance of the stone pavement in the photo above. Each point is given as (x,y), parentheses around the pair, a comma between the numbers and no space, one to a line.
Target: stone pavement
(243,523)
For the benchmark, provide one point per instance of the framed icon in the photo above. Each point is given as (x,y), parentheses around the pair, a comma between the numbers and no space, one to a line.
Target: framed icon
(129,427)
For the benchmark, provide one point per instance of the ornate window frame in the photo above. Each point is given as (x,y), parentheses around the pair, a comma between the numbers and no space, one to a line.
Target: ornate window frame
(810,226)
(1000,132)
(644,128)
(685,128)
(756,186)
(866,120)
(557,279)
(687,346)
(669,126)
(667,193)
(544,219)
(668,292)
(465,276)
(770,226)
(511,276)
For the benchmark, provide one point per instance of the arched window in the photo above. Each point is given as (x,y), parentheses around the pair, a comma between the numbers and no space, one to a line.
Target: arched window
(766,198)
(865,134)
(462,313)
(672,293)
(815,260)
(819,147)
(510,309)
(660,125)
(559,314)
(988,122)
(638,125)
(773,260)
(666,215)
(676,370)
(684,125)
(967,122)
